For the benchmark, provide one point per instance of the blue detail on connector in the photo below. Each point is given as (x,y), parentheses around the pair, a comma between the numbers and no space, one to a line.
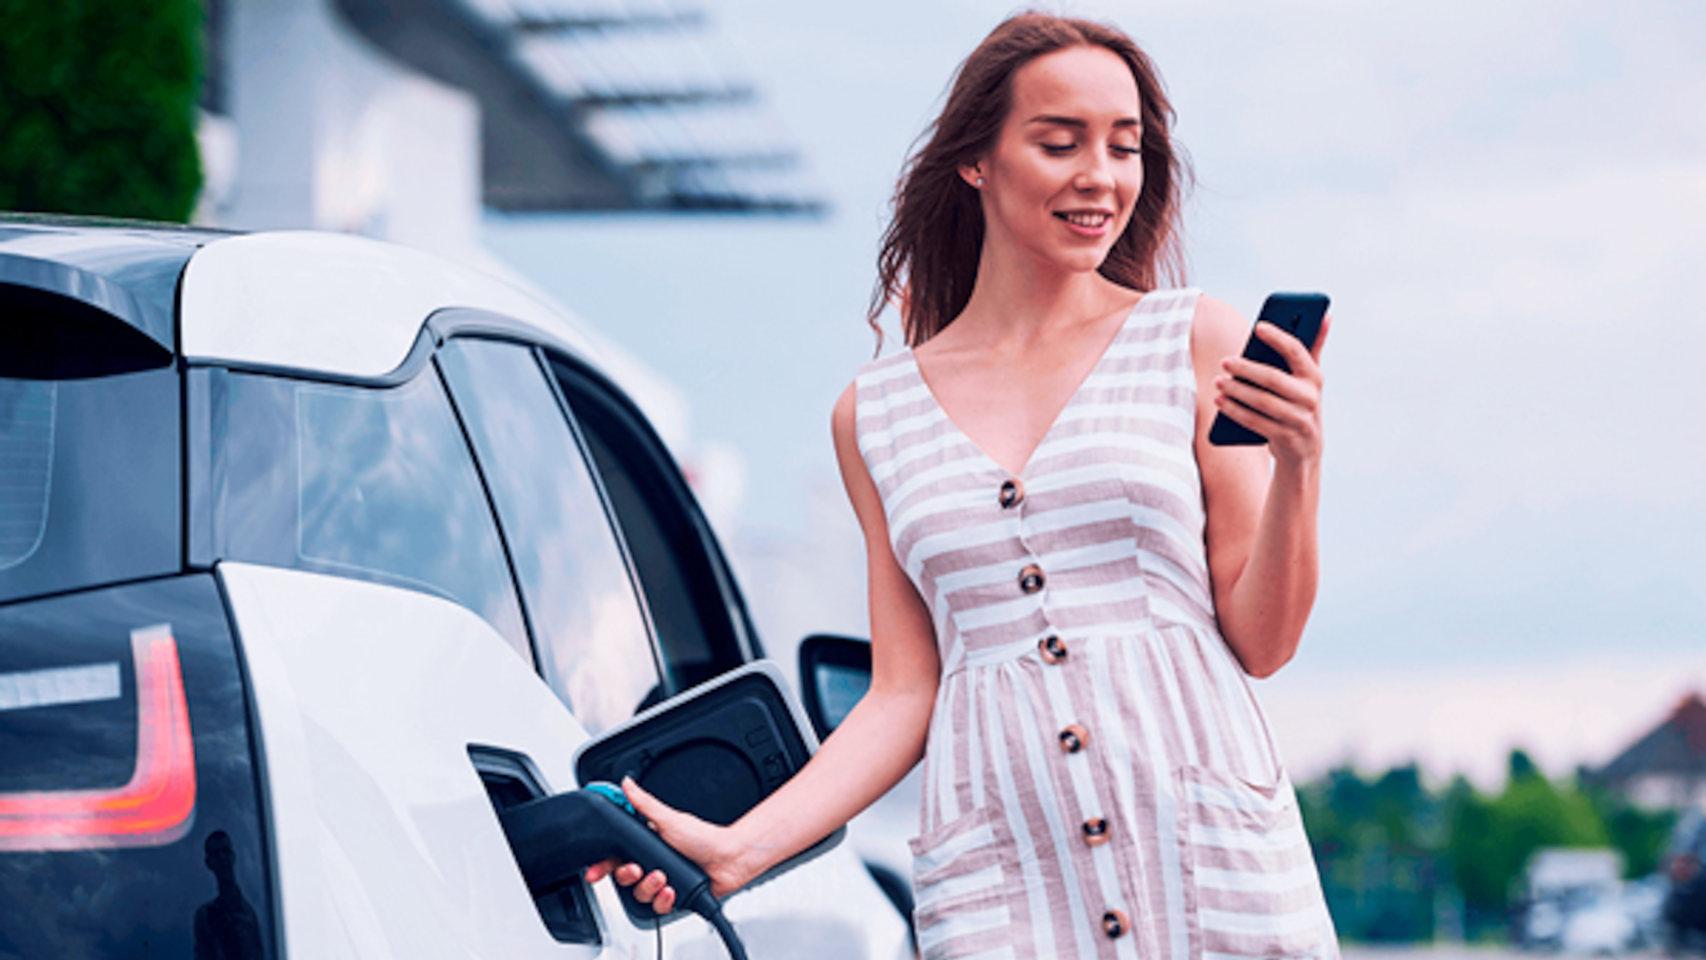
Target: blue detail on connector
(613,793)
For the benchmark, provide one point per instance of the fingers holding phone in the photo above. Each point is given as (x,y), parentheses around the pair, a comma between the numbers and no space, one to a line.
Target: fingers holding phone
(1272,393)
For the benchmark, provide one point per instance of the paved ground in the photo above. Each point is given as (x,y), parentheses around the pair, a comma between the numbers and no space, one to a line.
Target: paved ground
(1460,953)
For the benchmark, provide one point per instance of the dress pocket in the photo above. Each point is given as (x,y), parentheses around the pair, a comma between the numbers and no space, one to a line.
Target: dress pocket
(1251,888)
(961,872)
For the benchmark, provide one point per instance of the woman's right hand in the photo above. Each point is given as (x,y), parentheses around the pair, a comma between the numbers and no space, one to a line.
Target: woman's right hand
(712,847)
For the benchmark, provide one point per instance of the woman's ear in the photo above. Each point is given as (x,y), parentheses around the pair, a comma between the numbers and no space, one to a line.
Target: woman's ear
(972,174)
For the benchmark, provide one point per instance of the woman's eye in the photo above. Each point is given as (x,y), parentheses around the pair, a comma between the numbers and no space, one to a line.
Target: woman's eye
(1060,149)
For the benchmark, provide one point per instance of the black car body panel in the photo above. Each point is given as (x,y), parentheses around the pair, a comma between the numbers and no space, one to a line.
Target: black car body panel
(178,863)
(125,270)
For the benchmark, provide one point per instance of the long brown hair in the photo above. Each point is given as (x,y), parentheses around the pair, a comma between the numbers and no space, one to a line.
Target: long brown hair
(930,250)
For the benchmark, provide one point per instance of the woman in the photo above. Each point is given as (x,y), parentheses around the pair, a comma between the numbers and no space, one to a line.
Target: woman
(1068,583)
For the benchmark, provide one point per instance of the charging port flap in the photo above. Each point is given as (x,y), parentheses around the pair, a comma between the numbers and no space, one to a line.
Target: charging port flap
(715,750)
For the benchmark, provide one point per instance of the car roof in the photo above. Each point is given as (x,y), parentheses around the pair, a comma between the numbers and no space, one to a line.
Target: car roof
(339,305)
(128,269)
(323,304)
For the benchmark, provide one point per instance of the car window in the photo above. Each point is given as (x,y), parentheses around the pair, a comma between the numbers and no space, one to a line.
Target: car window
(702,627)
(365,482)
(89,480)
(588,623)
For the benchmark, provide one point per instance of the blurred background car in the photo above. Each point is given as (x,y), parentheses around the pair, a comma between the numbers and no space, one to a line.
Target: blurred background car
(1685,895)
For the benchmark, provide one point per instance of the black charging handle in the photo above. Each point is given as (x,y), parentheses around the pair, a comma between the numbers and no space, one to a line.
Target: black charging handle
(556,838)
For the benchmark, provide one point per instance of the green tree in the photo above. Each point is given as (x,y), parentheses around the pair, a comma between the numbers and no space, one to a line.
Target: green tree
(1373,841)
(98,107)
(1533,813)
(1491,840)
(1391,852)
(1639,835)
(1520,766)
(1470,851)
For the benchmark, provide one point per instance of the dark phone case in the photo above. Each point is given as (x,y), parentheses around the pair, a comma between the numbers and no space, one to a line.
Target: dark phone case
(1296,313)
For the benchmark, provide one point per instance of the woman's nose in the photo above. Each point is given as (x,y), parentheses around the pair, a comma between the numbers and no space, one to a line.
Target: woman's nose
(1094,175)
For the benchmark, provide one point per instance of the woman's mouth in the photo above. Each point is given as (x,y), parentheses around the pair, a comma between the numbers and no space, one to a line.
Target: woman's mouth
(1086,223)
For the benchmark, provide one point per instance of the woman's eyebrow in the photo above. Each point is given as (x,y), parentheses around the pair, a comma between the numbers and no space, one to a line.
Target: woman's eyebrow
(1076,123)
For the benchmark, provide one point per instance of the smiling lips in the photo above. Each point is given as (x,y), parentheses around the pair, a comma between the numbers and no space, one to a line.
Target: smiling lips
(1089,223)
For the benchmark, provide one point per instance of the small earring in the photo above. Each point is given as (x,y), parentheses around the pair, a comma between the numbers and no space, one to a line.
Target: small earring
(980,182)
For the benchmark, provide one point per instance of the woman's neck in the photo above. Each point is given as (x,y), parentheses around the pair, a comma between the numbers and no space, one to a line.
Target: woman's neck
(1019,300)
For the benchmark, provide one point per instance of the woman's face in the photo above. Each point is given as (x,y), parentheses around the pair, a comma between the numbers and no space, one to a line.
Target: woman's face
(1064,174)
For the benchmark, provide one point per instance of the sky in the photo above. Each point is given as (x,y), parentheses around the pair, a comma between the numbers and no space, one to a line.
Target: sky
(1507,204)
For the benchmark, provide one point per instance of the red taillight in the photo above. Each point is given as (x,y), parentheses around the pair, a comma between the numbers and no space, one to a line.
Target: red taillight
(1683,867)
(155,806)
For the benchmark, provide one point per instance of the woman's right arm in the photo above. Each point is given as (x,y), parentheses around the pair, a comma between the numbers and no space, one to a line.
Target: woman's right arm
(872,749)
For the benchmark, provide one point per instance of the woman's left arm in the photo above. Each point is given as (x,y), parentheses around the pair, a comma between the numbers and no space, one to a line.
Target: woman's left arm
(1261,502)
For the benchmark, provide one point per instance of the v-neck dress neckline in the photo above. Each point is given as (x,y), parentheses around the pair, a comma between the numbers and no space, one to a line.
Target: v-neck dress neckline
(1072,399)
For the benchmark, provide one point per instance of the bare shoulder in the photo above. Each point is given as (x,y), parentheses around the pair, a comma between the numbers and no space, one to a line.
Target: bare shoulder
(844,415)
(1217,330)
(855,476)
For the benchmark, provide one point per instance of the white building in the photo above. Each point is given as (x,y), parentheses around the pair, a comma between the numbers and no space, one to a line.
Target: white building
(405,119)
(1665,769)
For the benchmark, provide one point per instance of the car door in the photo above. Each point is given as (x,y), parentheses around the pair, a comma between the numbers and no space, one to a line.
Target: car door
(829,906)
(393,677)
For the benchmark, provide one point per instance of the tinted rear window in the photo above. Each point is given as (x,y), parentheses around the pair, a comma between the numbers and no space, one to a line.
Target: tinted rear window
(89,480)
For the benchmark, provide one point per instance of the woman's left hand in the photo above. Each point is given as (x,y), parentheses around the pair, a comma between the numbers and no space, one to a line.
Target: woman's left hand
(710,846)
(1283,407)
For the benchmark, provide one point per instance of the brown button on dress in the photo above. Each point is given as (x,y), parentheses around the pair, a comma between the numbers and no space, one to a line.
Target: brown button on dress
(1052,649)
(1074,737)
(1194,847)
(1031,578)
(1095,831)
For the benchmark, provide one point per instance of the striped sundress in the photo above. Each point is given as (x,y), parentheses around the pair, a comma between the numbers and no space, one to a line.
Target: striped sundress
(1099,780)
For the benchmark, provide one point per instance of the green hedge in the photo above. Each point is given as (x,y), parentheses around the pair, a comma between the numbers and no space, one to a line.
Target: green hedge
(98,107)
(1396,857)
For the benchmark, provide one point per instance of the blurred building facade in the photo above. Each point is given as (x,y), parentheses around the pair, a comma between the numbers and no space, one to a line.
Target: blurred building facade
(1666,767)
(406,120)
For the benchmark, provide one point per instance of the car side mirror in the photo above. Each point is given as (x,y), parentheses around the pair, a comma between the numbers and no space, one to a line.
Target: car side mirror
(835,672)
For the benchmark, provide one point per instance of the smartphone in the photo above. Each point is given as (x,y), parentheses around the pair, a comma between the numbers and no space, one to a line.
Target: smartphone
(1298,314)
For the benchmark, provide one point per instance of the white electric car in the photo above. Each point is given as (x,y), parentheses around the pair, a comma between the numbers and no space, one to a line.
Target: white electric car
(316,552)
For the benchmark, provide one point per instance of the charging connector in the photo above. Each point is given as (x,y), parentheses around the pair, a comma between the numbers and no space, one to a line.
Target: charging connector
(556,838)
